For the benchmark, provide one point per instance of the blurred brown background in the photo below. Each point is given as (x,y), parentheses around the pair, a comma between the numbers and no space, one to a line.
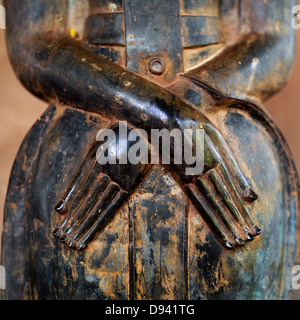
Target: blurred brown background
(19,110)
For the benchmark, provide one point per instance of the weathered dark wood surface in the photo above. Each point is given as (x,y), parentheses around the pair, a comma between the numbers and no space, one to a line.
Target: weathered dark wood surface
(158,245)
(171,251)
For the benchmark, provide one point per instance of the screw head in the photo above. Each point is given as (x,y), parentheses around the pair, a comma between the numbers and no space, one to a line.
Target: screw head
(157,66)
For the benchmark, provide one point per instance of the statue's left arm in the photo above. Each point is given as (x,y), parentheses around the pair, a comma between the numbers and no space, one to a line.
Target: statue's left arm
(56,67)
(258,53)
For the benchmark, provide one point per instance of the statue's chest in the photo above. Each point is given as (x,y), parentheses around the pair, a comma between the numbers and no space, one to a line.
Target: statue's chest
(157,39)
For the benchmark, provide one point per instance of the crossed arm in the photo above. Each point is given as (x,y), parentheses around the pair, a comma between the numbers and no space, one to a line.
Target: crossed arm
(58,68)
(50,64)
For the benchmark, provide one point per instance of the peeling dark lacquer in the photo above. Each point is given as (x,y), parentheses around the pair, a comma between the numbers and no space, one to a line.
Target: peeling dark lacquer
(75,229)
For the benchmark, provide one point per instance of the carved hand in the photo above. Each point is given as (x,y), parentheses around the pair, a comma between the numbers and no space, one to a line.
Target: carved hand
(218,193)
(97,192)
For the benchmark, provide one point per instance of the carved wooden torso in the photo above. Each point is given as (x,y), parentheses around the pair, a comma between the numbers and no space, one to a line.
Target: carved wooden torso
(157,245)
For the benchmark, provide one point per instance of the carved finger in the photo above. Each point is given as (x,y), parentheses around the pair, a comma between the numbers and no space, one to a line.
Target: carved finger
(253,228)
(214,159)
(79,200)
(87,165)
(91,215)
(215,222)
(211,156)
(207,187)
(102,218)
(77,216)
(225,195)
(247,192)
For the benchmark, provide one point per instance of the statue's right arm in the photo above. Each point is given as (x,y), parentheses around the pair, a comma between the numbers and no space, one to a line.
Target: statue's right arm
(58,68)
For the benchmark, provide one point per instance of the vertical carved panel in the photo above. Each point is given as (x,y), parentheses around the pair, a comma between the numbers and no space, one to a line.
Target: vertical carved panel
(153,31)
(159,223)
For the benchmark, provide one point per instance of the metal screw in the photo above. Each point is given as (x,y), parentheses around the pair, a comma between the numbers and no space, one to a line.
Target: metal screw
(157,66)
